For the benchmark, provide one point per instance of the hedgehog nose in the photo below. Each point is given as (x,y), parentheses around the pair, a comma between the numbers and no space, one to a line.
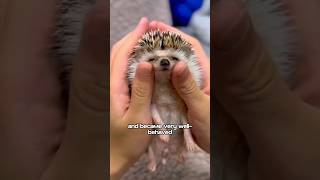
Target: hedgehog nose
(164,62)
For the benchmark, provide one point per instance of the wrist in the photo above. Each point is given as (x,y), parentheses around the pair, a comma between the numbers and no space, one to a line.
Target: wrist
(118,164)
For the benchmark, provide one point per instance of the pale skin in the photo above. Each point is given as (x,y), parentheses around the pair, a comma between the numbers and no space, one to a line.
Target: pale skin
(136,109)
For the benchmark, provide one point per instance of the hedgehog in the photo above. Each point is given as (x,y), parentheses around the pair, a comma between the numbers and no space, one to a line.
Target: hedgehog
(163,49)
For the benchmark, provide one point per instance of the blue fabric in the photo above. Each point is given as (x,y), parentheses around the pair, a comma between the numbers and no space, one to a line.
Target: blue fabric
(182,10)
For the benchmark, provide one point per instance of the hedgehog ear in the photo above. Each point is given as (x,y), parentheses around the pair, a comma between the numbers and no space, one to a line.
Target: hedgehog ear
(186,49)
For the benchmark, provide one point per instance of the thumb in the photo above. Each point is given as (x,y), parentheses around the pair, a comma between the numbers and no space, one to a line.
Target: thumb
(82,153)
(185,85)
(142,89)
(246,81)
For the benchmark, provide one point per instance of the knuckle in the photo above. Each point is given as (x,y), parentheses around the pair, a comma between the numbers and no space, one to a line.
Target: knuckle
(139,92)
(189,88)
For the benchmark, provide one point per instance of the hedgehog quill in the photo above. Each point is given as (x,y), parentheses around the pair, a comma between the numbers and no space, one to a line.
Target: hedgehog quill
(163,50)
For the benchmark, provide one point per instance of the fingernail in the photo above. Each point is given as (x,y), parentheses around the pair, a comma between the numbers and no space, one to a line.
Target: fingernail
(142,21)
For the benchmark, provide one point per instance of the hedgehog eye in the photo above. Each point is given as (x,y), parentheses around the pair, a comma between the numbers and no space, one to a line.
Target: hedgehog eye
(175,58)
(151,59)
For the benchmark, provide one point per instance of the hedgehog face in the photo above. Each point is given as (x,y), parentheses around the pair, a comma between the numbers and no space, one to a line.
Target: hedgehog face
(162,49)
(162,60)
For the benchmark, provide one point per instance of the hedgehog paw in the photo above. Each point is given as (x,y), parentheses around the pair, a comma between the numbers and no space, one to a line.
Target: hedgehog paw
(152,166)
(164,138)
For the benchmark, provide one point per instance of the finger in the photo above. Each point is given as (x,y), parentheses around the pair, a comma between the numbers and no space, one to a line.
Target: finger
(131,38)
(186,86)
(155,25)
(119,91)
(119,69)
(129,41)
(86,126)
(142,90)
(249,87)
(118,85)
(89,75)
(246,80)
(163,26)
(116,47)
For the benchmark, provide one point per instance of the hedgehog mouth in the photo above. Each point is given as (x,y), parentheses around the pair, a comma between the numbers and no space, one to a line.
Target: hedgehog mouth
(162,69)
(165,69)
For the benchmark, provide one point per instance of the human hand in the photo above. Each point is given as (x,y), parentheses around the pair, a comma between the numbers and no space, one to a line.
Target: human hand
(35,143)
(82,152)
(197,99)
(127,145)
(278,126)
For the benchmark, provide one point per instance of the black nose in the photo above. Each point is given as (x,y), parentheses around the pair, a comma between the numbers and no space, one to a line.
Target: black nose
(164,62)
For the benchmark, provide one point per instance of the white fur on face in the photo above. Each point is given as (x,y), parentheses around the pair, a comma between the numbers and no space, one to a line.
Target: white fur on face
(191,61)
